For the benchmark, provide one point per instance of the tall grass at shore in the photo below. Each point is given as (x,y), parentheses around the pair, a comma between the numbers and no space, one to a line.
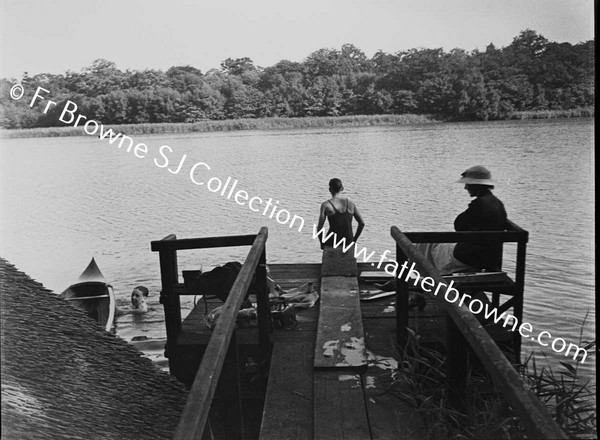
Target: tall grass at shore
(568,399)
(581,112)
(279,123)
(233,125)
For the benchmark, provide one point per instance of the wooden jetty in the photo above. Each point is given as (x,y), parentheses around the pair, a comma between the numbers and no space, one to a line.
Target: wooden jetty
(326,375)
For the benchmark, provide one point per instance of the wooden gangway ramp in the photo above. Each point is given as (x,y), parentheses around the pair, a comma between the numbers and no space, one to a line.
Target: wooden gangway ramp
(340,355)
(340,335)
(333,390)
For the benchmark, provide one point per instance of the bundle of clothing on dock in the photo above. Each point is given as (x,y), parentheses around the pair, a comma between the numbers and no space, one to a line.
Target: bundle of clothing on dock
(283,303)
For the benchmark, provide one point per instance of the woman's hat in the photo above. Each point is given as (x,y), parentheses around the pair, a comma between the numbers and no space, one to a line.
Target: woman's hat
(477,175)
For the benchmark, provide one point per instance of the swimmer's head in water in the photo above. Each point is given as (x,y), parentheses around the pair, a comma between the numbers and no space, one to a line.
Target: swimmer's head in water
(138,298)
(335,185)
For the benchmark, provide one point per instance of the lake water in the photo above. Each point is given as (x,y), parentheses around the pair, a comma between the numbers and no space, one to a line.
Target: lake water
(64,200)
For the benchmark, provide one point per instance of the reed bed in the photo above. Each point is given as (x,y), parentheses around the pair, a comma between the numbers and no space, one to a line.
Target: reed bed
(232,125)
(275,123)
(581,112)
(569,400)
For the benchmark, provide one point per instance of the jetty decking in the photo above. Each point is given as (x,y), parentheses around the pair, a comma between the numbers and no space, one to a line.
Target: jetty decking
(290,404)
(327,377)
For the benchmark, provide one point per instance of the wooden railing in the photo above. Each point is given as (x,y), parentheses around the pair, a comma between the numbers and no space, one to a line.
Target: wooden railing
(514,288)
(220,357)
(463,328)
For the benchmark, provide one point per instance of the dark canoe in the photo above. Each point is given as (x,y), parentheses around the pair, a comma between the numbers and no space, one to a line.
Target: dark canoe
(92,294)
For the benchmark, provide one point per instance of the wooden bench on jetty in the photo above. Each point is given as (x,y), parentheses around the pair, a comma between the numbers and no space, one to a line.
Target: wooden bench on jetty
(323,374)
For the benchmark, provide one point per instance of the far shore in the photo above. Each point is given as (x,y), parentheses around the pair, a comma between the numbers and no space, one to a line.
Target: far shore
(278,123)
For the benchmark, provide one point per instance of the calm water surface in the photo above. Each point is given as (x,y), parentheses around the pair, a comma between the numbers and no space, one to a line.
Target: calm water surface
(64,200)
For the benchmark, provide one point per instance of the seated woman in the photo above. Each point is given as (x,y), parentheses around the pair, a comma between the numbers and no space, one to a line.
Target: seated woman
(485,213)
(339,211)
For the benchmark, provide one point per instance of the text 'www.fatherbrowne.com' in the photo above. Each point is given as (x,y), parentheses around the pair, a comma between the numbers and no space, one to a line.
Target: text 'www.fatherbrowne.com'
(452,295)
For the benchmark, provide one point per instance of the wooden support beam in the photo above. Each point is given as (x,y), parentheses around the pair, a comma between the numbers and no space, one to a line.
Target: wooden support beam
(170,243)
(456,365)
(464,236)
(401,304)
(264,312)
(229,389)
(168,298)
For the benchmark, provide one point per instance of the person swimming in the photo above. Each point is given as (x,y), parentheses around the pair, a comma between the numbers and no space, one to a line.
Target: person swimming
(139,303)
(138,299)
(339,211)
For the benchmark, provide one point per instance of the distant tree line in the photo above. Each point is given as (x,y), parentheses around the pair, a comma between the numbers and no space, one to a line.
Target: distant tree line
(531,73)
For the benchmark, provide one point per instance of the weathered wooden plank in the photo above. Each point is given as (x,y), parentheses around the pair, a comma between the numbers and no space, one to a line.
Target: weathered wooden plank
(340,336)
(365,266)
(464,236)
(375,274)
(288,410)
(295,266)
(169,243)
(337,263)
(295,270)
(288,283)
(339,407)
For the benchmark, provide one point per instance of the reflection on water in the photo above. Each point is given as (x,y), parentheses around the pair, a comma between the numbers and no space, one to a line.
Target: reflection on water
(66,199)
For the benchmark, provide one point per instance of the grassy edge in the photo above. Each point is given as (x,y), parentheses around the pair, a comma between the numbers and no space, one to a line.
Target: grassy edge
(568,399)
(232,125)
(279,123)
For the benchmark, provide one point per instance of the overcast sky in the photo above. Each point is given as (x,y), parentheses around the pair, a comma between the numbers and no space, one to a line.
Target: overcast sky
(40,36)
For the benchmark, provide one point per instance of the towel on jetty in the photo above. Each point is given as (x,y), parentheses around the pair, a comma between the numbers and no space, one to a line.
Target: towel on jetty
(301,297)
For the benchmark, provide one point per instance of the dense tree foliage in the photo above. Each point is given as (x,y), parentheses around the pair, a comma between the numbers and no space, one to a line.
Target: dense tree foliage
(532,73)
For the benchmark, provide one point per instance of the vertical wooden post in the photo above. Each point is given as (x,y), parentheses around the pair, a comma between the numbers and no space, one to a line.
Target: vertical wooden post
(168,298)
(520,282)
(496,295)
(495,300)
(401,304)
(262,299)
(456,365)
(230,389)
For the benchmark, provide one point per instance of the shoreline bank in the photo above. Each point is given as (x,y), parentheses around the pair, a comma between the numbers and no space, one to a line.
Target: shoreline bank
(269,124)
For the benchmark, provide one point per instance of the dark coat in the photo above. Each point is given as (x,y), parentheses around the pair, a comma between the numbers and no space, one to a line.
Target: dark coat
(219,281)
(485,213)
